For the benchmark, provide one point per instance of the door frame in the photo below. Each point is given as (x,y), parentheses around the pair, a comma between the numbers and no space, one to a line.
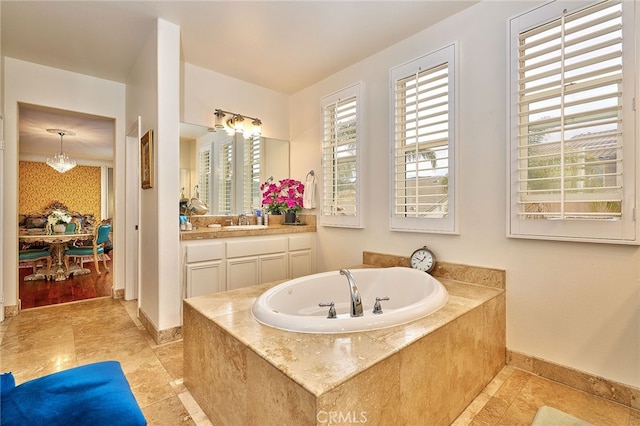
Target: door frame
(132,211)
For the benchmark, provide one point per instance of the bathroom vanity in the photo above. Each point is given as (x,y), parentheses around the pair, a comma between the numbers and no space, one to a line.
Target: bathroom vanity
(424,372)
(225,258)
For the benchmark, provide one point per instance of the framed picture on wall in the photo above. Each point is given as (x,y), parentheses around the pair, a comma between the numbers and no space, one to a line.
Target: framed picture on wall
(146,160)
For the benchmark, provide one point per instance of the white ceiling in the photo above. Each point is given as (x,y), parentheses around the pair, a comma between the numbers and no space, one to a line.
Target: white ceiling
(281,45)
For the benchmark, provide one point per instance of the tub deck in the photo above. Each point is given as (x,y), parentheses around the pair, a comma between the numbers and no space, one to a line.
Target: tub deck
(424,372)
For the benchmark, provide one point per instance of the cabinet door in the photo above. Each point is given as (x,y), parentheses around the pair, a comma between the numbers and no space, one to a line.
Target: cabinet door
(300,263)
(204,278)
(273,267)
(242,272)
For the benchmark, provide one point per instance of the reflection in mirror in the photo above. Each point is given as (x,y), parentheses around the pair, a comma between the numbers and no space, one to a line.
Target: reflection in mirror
(229,169)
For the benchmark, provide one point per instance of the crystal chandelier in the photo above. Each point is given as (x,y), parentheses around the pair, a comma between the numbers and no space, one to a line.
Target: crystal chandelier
(61,161)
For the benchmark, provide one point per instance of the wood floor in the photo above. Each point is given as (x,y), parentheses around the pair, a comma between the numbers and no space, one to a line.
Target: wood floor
(34,294)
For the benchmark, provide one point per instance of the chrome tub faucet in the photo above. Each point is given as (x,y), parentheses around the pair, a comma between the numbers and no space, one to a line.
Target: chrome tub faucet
(356,301)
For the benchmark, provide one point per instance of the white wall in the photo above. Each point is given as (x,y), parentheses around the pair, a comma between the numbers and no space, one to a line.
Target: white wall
(1,174)
(575,304)
(153,93)
(142,100)
(54,88)
(168,176)
(204,91)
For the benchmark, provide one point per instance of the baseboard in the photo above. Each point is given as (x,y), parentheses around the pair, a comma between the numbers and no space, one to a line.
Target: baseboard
(626,395)
(11,311)
(159,336)
(117,294)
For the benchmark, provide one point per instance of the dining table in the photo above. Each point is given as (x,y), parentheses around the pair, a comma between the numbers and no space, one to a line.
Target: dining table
(57,242)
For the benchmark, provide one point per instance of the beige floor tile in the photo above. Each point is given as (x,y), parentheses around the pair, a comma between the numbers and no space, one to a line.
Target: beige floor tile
(168,412)
(498,381)
(512,385)
(472,410)
(492,412)
(598,411)
(197,415)
(170,355)
(45,340)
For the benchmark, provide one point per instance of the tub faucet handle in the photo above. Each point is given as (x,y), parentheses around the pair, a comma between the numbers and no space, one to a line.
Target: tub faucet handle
(332,309)
(377,307)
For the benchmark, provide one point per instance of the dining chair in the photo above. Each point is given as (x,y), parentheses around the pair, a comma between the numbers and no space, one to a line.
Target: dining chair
(100,237)
(33,255)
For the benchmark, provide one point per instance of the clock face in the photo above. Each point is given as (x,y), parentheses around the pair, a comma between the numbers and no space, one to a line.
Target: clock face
(423,260)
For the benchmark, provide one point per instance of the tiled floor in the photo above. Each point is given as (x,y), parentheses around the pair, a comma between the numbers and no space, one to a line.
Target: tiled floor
(44,340)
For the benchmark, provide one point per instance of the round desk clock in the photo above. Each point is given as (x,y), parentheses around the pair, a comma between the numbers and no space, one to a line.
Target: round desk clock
(423,259)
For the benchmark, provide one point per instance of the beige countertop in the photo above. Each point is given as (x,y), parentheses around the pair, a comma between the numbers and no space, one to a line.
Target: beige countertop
(202,231)
(320,362)
(210,233)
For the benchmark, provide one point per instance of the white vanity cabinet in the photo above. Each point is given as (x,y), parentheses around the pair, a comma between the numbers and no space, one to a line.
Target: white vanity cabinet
(256,260)
(213,265)
(204,268)
(301,258)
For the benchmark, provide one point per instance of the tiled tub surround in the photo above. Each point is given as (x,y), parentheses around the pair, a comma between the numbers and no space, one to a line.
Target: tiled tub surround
(626,395)
(425,372)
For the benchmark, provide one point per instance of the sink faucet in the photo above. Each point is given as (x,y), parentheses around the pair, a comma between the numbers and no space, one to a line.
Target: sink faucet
(241,217)
(356,302)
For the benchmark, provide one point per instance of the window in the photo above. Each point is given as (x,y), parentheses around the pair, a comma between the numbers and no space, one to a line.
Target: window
(252,174)
(341,164)
(204,174)
(423,144)
(572,123)
(224,176)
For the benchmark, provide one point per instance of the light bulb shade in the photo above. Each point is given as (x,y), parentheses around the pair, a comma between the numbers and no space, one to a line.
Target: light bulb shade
(219,124)
(257,127)
(238,124)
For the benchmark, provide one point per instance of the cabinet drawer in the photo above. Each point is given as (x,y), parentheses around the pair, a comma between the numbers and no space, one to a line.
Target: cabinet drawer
(201,252)
(300,242)
(257,246)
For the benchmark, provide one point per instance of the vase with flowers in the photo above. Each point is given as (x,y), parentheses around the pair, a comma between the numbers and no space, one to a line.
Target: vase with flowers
(57,220)
(283,197)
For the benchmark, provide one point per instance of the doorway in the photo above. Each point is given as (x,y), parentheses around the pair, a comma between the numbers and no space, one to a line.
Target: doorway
(87,190)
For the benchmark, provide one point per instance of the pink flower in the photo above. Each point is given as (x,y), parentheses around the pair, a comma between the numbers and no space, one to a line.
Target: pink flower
(283,196)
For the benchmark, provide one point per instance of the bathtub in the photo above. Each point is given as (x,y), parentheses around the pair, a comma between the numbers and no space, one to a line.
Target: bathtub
(293,305)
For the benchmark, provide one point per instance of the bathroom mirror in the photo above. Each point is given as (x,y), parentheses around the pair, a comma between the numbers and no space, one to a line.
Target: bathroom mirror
(228,169)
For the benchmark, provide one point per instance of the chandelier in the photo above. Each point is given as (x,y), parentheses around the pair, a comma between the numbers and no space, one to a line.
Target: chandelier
(61,161)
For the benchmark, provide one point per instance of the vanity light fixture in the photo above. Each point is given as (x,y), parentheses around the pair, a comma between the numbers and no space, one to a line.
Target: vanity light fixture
(61,161)
(236,123)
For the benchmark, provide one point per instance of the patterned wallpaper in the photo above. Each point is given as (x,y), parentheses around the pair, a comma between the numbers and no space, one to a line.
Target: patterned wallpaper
(39,185)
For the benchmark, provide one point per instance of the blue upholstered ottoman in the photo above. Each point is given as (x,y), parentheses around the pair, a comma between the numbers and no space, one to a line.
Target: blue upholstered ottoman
(93,394)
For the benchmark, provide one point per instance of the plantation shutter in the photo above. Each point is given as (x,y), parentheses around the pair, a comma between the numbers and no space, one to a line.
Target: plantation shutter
(341,165)
(204,178)
(423,143)
(422,137)
(569,119)
(225,182)
(339,155)
(252,166)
